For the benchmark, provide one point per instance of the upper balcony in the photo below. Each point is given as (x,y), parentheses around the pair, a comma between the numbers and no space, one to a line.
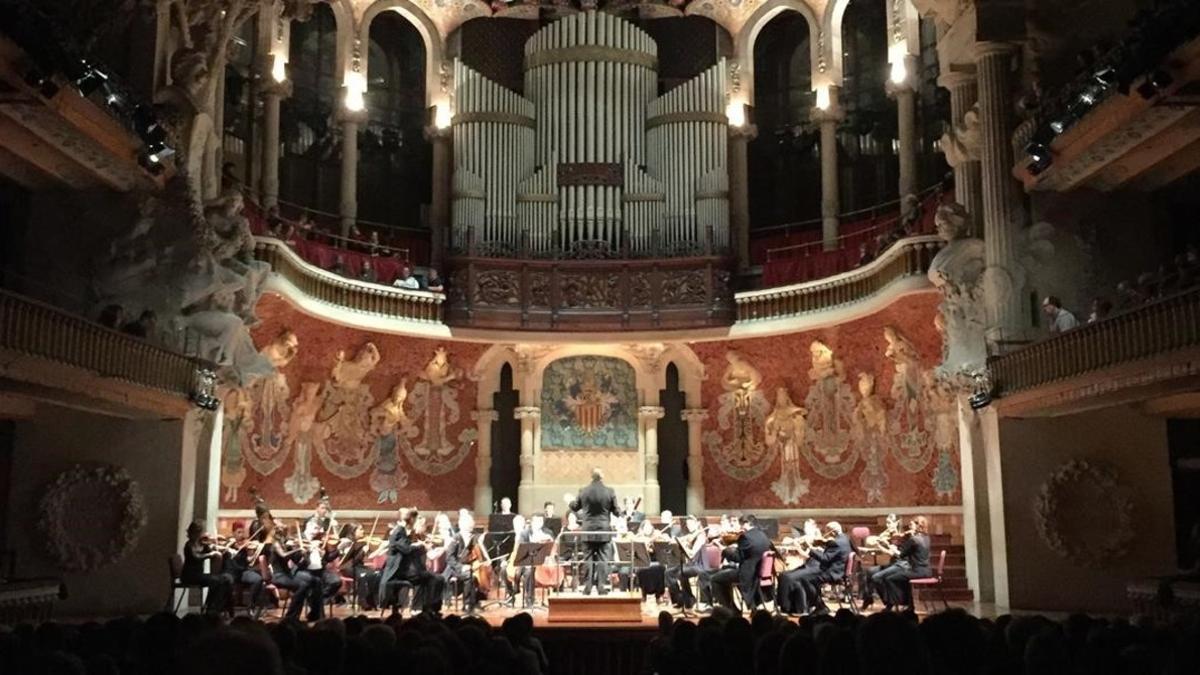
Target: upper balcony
(1149,353)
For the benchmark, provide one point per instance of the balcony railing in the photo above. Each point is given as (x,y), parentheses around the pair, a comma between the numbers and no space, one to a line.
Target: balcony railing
(1155,329)
(357,296)
(906,258)
(35,329)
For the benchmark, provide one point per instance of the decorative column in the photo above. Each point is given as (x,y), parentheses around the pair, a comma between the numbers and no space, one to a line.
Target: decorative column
(1003,214)
(964,136)
(828,118)
(439,200)
(273,94)
(740,136)
(351,120)
(650,415)
(906,125)
(695,461)
(529,417)
(483,459)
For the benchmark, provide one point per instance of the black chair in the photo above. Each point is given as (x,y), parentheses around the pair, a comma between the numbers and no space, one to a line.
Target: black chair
(175,568)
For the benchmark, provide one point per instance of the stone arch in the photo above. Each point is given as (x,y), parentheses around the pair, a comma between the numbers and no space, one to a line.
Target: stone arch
(430,35)
(748,34)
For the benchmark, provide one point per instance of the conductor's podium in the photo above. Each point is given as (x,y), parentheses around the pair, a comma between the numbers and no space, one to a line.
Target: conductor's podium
(579,608)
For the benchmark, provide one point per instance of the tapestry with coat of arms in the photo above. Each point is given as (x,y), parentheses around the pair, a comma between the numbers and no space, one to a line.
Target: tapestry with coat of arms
(589,402)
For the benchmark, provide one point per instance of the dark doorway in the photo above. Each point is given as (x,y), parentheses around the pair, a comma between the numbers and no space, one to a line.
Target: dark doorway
(506,442)
(672,445)
(1183,443)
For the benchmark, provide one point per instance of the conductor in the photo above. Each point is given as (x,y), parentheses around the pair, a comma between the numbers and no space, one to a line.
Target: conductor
(596,504)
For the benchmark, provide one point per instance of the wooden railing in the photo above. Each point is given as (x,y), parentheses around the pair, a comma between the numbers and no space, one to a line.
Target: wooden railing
(36,329)
(906,258)
(1161,327)
(357,296)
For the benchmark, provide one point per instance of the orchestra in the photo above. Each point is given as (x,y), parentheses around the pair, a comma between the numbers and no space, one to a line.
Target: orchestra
(423,566)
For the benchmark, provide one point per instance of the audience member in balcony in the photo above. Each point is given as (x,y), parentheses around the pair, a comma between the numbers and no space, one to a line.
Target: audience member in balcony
(1061,320)
(338,266)
(291,235)
(864,254)
(304,226)
(367,273)
(112,316)
(434,282)
(405,279)
(1129,295)
(375,249)
(910,215)
(146,325)
(276,227)
(1101,308)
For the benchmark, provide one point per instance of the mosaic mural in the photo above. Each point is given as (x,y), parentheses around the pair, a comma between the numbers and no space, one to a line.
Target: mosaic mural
(589,402)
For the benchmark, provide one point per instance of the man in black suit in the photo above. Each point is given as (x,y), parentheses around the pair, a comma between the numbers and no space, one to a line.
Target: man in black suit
(830,566)
(406,563)
(460,554)
(747,553)
(596,504)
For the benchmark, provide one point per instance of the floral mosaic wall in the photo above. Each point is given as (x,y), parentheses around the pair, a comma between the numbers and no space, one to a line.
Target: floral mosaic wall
(377,420)
(849,415)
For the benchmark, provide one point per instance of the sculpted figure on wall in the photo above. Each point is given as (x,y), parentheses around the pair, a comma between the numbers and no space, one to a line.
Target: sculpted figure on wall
(737,445)
(961,140)
(434,408)
(345,413)
(830,404)
(785,430)
(304,437)
(388,422)
(270,397)
(868,432)
(957,271)
(907,420)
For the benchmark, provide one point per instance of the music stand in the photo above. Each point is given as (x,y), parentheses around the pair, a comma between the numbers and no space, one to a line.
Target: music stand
(530,555)
(498,546)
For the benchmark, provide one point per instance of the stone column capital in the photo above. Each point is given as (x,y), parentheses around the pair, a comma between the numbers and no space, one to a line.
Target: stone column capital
(831,115)
(271,87)
(957,78)
(527,412)
(694,415)
(434,133)
(352,116)
(994,48)
(651,412)
(485,416)
(747,132)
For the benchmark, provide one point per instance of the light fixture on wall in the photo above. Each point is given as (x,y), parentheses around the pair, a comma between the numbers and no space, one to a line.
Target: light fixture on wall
(279,68)
(823,98)
(204,395)
(356,86)
(735,112)
(981,383)
(441,116)
(899,71)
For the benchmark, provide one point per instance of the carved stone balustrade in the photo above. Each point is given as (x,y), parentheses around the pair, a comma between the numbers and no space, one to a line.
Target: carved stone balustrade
(357,296)
(906,258)
(1148,345)
(582,295)
(46,349)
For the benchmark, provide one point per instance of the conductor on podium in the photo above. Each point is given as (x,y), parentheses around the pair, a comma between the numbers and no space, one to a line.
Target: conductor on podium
(596,504)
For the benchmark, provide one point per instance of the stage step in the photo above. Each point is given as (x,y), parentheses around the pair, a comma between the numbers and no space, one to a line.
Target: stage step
(579,608)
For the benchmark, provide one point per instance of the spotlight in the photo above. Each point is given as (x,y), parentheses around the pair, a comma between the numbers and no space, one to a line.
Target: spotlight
(1154,85)
(90,81)
(1090,95)
(1106,76)
(1040,155)
(980,400)
(1061,124)
(42,82)
(982,386)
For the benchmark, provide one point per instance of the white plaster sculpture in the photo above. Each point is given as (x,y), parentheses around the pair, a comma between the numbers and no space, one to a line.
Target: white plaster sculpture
(957,271)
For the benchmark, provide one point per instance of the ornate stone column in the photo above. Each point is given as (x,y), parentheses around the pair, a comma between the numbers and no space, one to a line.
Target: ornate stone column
(273,94)
(650,415)
(695,462)
(1002,211)
(906,124)
(828,119)
(483,459)
(529,417)
(439,200)
(963,136)
(350,120)
(739,192)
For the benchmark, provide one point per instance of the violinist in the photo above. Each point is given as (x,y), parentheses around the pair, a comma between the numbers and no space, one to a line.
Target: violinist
(241,561)
(355,551)
(517,574)
(796,555)
(804,587)
(320,541)
(678,583)
(651,576)
(286,558)
(406,563)
(199,548)
(746,553)
(911,561)
(461,553)
(668,525)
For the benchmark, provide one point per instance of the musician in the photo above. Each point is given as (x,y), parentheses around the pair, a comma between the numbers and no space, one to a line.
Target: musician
(912,562)
(548,510)
(196,550)
(521,534)
(804,587)
(629,506)
(322,550)
(786,585)
(321,521)
(668,524)
(505,506)
(651,575)
(406,562)
(286,571)
(241,561)
(746,554)
(460,556)
(597,503)
(355,553)
(691,542)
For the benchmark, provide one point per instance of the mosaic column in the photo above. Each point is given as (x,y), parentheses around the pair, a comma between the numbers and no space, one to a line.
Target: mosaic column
(828,119)
(529,417)
(273,96)
(906,126)
(695,461)
(739,193)
(1003,214)
(483,459)
(650,415)
(439,200)
(349,191)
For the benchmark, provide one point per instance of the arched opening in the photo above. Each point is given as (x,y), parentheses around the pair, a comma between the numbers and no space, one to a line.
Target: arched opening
(506,440)
(310,164)
(867,137)
(672,444)
(395,159)
(785,169)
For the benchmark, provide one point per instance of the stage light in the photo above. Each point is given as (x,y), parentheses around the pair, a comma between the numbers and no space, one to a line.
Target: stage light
(90,82)
(1061,124)
(279,68)
(1154,85)
(1106,76)
(980,400)
(42,82)
(823,98)
(982,390)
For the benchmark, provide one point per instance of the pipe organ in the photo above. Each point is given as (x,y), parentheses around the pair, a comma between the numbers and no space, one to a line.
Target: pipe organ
(590,160)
